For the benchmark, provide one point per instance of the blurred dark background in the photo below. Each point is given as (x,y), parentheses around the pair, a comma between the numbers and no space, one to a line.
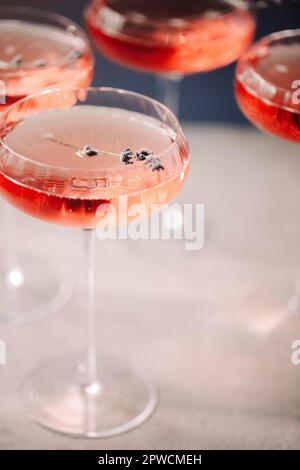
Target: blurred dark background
(205,97)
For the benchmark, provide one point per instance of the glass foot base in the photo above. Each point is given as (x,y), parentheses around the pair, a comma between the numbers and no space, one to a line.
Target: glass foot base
(31,290)
(54,398)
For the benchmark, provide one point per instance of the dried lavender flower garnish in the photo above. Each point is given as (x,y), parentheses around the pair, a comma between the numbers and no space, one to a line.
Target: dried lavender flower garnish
(74,55)
(126,157)
(51,137)
(149,159)
(39,63)
(16,61)
(154,163)
(87,151)
(142,155)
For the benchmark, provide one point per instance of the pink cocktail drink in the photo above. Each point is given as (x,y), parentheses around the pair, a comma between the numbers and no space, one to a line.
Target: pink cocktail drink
(77,157)
(40,50)
(80,191)
(268,84)
(171,38)
(164,36)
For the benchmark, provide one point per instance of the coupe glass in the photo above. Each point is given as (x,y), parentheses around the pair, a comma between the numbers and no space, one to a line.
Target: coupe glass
(267,87)
(171,38)
(267,84)
(74,157)
(38,49)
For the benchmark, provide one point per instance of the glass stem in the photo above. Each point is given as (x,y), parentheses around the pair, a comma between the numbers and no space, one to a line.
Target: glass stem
(168,90)
(88,299)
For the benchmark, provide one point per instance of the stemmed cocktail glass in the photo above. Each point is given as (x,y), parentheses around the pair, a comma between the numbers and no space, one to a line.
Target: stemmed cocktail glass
(171,38)
(267,87)
(88,158)
(38,49)
(267,84)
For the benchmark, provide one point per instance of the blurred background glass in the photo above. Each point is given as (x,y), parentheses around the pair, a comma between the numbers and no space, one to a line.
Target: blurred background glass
(217,103)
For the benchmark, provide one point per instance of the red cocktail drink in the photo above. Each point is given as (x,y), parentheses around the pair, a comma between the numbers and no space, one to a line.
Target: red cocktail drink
(171,36)
(268,84)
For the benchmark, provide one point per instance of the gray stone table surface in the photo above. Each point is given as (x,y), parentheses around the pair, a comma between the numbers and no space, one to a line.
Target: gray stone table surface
(214,327)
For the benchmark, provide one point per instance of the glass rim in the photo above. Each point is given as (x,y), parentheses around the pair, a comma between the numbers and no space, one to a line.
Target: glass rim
(174,121)
(241,4)
(61,20)
(265,41)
